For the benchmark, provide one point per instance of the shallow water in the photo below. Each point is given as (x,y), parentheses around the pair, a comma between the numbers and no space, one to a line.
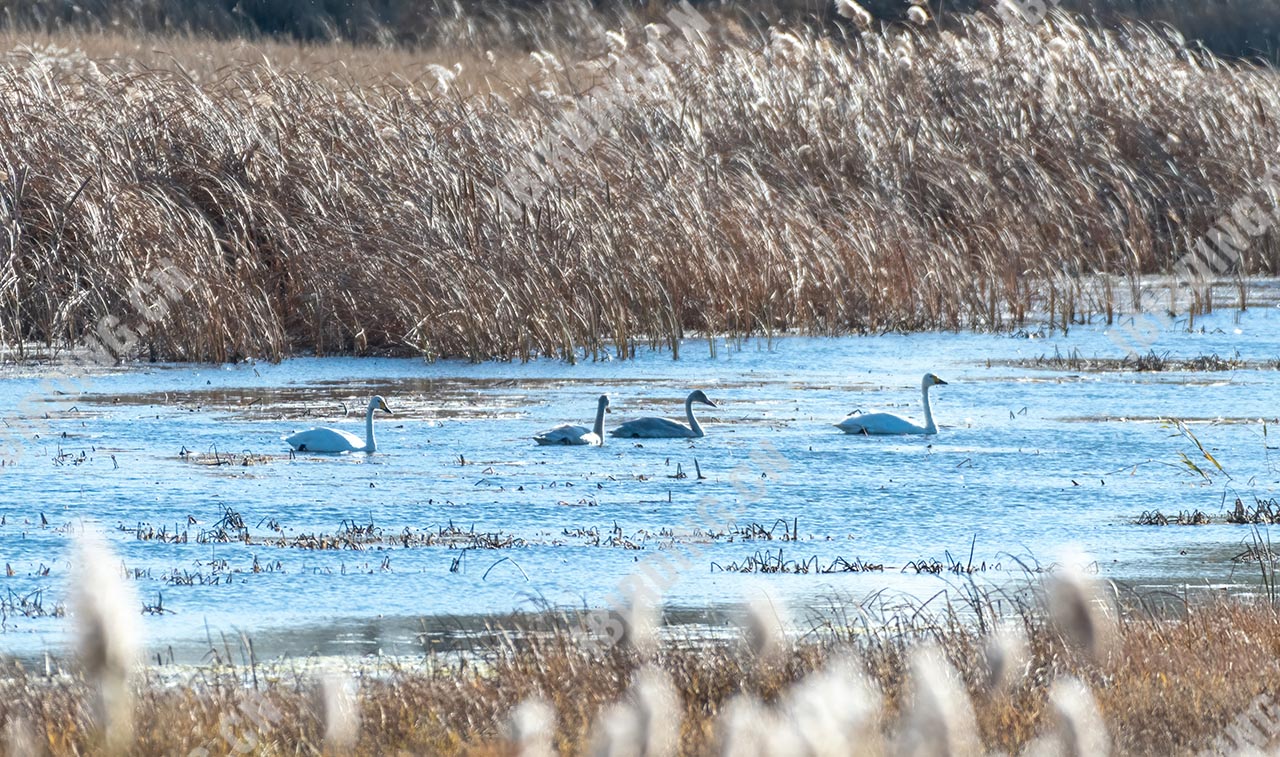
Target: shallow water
(1027,462)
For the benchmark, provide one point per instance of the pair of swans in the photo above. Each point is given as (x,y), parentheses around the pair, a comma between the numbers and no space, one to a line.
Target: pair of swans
(888,424)
(641,428)
(337,440)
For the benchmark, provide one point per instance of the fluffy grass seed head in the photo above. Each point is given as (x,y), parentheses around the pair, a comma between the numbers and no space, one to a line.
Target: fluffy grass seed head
(340,695)
(1005,654)
(855,13)
(765,626)
(1079,609)
(833,711)
(939,720)
(106,614)
(532,728)
(1081,730)
(646,723)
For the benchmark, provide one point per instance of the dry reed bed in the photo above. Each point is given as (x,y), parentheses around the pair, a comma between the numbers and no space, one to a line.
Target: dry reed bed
(737,185)
(1168,683)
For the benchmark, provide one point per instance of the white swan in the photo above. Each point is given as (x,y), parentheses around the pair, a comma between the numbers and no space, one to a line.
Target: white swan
(665,428)
(335,440)
(876,424)
(566,433)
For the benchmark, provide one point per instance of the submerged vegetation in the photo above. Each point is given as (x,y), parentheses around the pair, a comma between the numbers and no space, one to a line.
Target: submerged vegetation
(622,185)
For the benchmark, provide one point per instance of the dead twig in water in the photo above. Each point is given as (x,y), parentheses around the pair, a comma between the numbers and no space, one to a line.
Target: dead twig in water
(485,577)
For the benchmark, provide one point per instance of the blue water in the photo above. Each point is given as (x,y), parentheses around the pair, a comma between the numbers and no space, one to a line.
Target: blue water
(1027,463)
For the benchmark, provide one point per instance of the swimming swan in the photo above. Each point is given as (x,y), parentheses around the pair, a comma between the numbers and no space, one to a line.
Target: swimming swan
(569,434)
(876,424)
(665,428)
(335,440)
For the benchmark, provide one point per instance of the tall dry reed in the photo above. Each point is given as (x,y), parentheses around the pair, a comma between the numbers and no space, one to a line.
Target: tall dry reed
(731,181)
(917,684)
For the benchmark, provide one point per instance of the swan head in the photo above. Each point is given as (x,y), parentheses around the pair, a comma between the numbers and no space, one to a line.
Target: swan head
(932,380)
(699,396)
(604,403)
(378,403)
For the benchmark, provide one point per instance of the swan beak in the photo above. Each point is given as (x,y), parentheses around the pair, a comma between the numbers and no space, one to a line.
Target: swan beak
(712,404)
(383,405)
(939,381)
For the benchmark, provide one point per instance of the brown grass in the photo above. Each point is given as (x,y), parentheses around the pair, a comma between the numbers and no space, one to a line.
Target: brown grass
(332,199)
(1170,685)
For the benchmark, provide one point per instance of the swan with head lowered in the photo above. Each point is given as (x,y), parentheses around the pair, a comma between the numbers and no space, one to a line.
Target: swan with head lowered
(336,440)
(665,428)
(888,424)
(569,434)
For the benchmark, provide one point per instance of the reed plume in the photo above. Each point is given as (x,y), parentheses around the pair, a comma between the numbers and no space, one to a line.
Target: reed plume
(939,721)
(745,728)
(833,712)
(765,626)
(851,10)
(645,724)
(1081,611)
(106,614)
(642,621)
(1005,654)
(341,703)
(532,728)
(1081,730)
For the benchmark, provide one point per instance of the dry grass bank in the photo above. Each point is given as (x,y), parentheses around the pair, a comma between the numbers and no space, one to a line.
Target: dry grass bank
(336,200)
(1078,684)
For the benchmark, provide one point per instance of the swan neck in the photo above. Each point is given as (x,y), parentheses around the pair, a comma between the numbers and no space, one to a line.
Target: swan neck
(929,427)
(370,445)
(693,422)
(599,427)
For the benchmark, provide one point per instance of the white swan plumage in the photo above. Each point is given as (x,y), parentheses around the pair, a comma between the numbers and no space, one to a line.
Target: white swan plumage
(337,440)
(666,428)
(888,424)
(568,434)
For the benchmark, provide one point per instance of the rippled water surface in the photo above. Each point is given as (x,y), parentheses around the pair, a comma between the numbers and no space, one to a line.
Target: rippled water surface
(1028,460)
